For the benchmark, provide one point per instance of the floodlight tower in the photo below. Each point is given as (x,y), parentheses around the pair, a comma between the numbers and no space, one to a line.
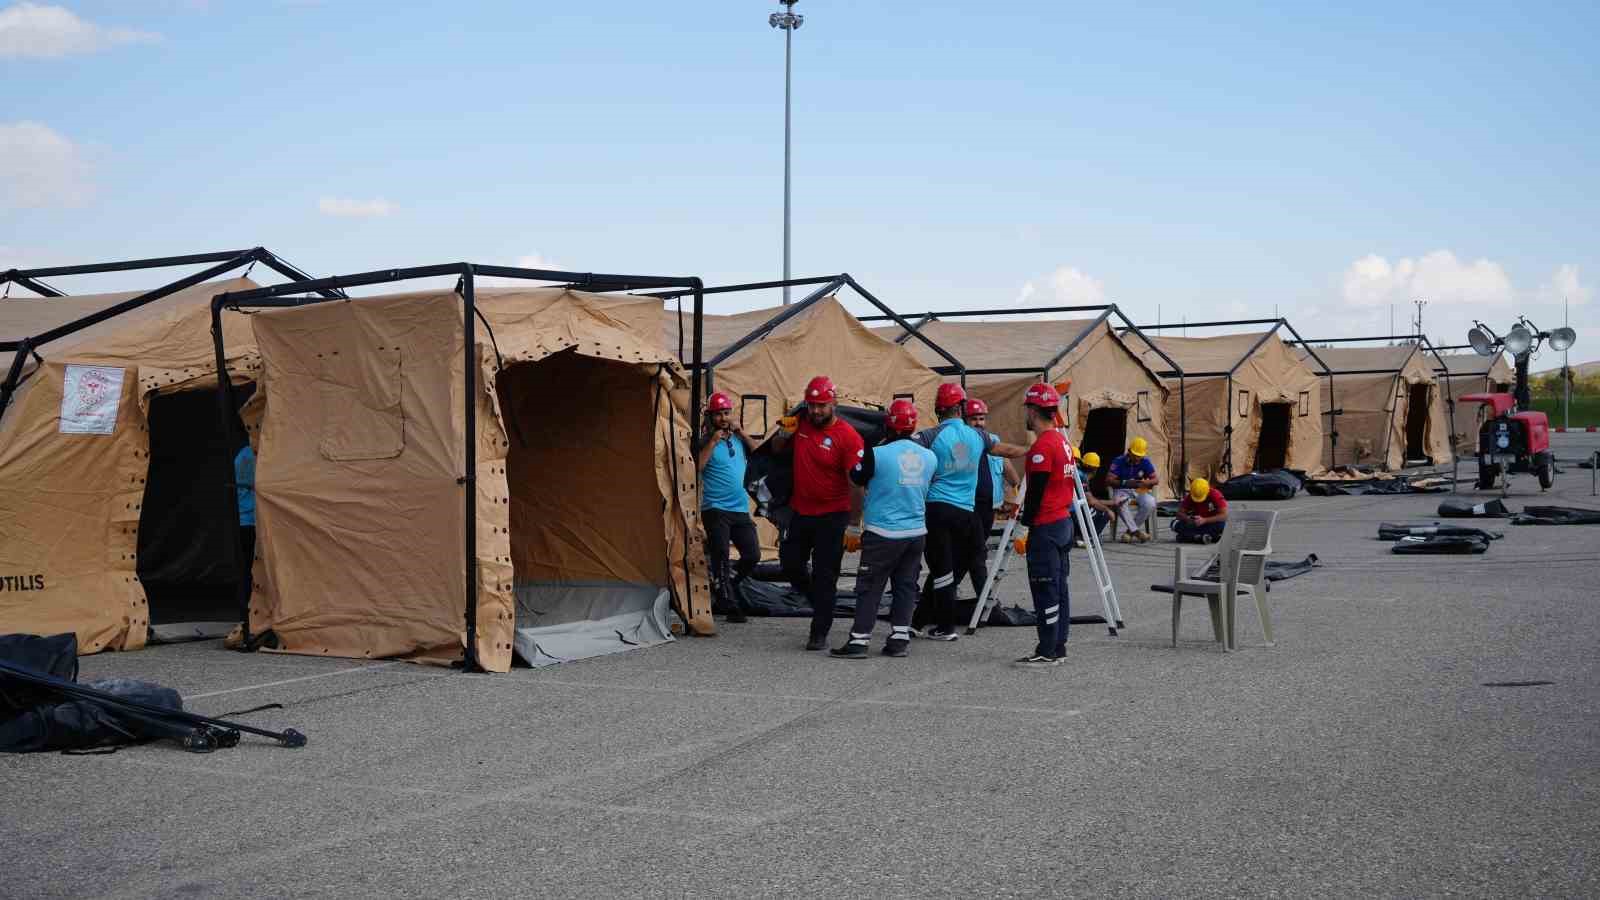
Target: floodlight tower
(788,21)
(1523,338)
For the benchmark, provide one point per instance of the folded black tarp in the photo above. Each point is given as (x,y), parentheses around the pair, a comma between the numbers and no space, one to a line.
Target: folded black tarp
(1277,484)
(1277,570)
(34,718)
(1463,509)
(1389,531)
(1398,484)
(1440,543)
(1556,515)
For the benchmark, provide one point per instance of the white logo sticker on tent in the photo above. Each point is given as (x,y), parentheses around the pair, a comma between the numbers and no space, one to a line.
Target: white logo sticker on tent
(89,399)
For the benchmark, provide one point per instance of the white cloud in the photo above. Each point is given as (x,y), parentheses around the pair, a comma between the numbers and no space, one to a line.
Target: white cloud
(39,167)
(33,30)
(1438,277)
(344,207)
(1564,284)
(1066,286)
(539,261)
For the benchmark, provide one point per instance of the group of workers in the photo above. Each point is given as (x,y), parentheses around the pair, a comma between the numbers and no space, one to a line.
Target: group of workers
(923,496)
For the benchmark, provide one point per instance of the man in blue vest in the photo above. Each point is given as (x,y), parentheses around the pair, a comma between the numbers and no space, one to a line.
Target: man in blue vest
(897,475)
(953,538)
(722,455)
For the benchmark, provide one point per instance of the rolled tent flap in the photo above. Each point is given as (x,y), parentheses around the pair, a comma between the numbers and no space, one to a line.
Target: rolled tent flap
(579,516)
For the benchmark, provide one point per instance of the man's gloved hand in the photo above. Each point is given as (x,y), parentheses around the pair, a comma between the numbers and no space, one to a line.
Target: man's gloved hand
(1020,545)
(852,539)
(789,424)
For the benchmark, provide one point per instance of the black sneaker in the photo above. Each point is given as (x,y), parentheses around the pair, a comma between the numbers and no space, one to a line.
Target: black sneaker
(940,634)
(849,651)
(897,648)
(1038,661)
(817,643)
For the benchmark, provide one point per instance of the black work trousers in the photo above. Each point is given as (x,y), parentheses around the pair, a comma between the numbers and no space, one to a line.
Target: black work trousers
(724,527)
(952,548)
(819,540)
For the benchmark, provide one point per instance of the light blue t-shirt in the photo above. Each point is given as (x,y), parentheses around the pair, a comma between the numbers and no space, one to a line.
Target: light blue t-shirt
(897,495)
(958,447)
(997,468)
(244,479)
(723,478)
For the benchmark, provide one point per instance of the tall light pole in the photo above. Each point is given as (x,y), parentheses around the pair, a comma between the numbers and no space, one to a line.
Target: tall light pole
(788,21)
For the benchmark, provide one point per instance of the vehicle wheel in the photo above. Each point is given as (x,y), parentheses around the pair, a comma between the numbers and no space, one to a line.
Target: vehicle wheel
(1546,473)
(1486,476)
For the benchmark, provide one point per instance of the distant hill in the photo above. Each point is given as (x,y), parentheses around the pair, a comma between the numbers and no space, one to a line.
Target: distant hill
(1579,370)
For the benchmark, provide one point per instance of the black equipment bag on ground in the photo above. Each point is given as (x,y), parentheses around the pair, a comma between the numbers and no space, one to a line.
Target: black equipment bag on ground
(34,718)
(1440,543)
(1556,515)
(1278,484)
(1462,509)
(1389,531)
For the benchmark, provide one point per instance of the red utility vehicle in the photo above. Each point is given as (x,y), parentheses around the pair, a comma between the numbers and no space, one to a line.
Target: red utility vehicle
(1511,442)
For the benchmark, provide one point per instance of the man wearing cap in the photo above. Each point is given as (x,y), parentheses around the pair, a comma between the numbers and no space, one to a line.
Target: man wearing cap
(825,448)
(722,454)
(995,493)
(1202,514)
(896,475)
(1047,511)
(1133,479)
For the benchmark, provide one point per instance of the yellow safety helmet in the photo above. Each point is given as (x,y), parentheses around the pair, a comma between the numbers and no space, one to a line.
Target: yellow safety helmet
(1139,447)
(1091,460)
(1199,489)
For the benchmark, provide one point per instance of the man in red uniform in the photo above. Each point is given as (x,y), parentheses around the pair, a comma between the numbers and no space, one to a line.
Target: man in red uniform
(825,449)
(1202,515)
(1047,511)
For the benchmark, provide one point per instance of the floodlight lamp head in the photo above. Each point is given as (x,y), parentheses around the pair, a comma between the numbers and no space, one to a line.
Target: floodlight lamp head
(1519,339)
(1482,342)
(1562,338)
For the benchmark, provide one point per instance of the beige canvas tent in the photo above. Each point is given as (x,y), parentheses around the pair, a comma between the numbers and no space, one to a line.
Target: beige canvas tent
(586,521)
(1469,373)
(767,376)
(1393,411)
(1113,397)
(113,472)
(1248,403)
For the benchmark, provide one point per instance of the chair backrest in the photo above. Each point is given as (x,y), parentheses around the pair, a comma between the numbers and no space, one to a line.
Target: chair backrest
(1246,531)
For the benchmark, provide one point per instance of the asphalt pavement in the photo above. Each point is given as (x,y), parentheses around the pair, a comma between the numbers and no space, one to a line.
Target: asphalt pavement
(1366,753)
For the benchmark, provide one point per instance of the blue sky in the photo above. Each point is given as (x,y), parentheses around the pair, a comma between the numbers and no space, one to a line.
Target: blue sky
(1223,160)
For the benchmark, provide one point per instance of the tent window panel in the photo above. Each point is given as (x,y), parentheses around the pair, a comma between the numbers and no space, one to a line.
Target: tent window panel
(746,401)
(362,416)
(1304,407)
(1244,404)
(1142,406)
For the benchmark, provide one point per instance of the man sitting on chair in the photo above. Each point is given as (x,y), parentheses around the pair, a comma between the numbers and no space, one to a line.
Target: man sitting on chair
(1132,477)
(1202,514)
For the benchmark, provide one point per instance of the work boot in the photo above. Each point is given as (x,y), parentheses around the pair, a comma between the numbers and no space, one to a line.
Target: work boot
(817,642)
(737,616)
(849,651)
(897,648)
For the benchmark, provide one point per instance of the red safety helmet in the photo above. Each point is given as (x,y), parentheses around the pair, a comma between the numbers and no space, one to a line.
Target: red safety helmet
(976,407)
(902,417)
(821,390)
(950,394)
(1042,396)
(719,402)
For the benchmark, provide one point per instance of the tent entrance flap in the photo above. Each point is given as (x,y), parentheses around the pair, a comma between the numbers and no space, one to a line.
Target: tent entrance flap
(1105,431)
(1272,443)
(589,558)
(184,561)
(1417,406)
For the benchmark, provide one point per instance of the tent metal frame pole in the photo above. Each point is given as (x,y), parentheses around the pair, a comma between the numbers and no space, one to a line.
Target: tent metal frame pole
(279,297)
(1220,323)
(225,264)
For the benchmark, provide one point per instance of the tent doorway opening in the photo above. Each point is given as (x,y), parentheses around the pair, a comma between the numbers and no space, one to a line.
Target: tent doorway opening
(1417,407)
(1272,442)
(588,542)
(1105,431)
(185,561)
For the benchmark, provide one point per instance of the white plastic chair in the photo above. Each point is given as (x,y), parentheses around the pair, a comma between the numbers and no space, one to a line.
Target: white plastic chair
(1246,543)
